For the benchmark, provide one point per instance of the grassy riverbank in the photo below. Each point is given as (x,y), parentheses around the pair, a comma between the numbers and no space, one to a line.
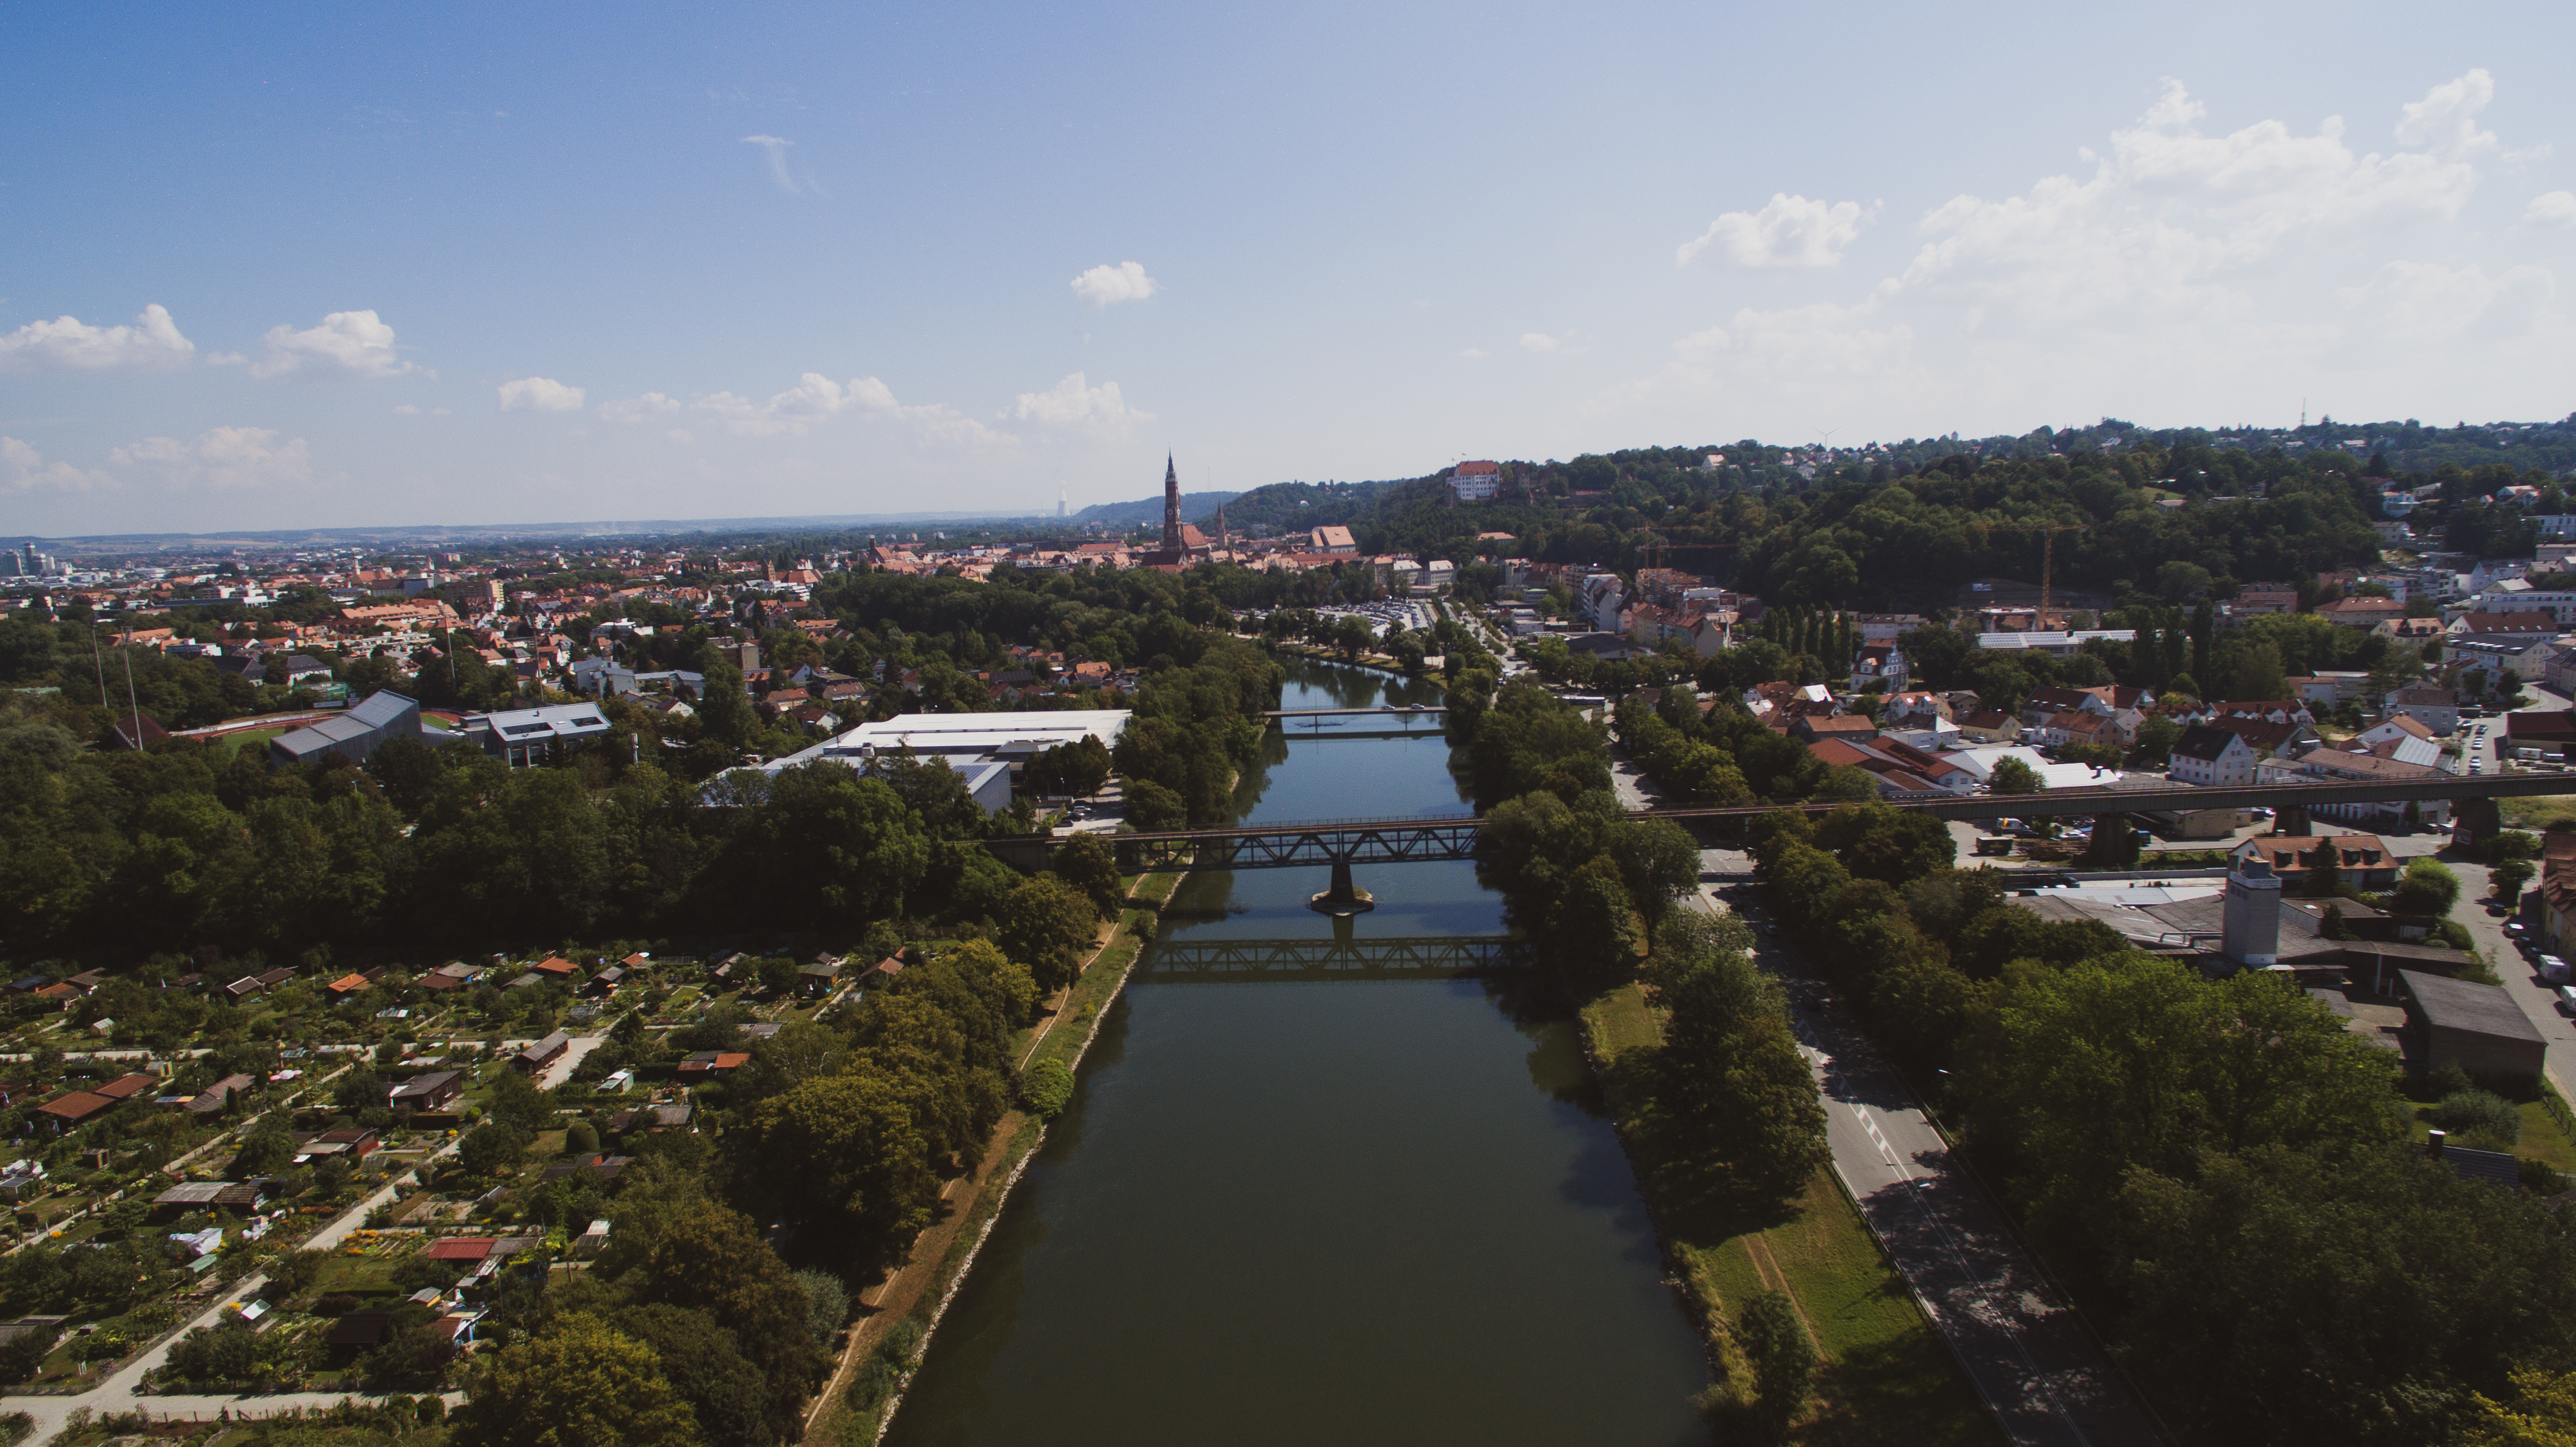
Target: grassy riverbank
(886,1344)
(1884,1375)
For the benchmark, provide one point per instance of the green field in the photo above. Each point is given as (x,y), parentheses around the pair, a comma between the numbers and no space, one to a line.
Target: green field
(1885,1376)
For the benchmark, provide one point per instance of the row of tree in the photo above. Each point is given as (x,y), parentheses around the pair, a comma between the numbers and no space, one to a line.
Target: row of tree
(2216,1165)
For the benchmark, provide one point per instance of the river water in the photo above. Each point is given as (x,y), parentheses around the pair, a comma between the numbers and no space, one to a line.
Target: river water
(1352,1211)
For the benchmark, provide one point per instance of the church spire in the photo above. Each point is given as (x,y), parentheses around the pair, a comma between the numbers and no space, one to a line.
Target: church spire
(1172,548)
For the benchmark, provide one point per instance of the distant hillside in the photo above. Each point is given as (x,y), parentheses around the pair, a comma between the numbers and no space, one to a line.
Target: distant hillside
(1150,510)
(1290,506)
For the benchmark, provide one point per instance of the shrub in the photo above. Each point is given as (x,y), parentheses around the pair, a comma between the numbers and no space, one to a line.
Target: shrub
(2481,1116)
(1048,1088)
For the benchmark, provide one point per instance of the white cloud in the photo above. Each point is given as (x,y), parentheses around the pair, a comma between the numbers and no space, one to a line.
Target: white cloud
(68,344)
(640,409)
(1541,342)
(539,394)
(1473,354)
(2176,274)
(1789,231)
(2420,303)
(2446,119)
(2554,208)
(24,469)
(222,457)
(777,150)
(1107,285)
(353,344)
(816,398)
(1072,402)
(2170,217)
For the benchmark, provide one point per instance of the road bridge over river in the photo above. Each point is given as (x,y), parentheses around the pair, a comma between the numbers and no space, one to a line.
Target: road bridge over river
(1406,958)
(1343,843)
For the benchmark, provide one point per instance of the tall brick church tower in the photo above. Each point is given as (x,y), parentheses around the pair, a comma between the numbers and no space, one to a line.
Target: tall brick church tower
(1173,548)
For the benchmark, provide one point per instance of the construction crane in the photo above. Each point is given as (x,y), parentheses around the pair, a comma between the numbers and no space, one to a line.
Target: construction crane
(2047,551)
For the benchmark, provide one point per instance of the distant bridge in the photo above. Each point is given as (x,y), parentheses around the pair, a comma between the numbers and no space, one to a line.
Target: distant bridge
(1342,843)
(1397,710)
(1429,957)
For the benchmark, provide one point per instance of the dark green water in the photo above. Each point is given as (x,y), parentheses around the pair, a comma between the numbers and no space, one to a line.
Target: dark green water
(1377,1211)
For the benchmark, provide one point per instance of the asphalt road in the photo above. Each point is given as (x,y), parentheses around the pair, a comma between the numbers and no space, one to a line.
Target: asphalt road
(2032,1361)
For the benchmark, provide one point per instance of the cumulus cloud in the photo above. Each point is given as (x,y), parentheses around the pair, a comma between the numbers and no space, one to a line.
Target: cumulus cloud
(2421,303)
(639,409)
(68,344)
(817,398)
(346,344)
(1073,402)
(2551,209)
(777,151)
(1106,285)
(2178,270)
(24,469)
(1789,231)
(2170,216)
(1541,342)
(539,394)
(220,457)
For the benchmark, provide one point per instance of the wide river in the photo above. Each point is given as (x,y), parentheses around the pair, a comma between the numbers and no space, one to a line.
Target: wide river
(1301,1212)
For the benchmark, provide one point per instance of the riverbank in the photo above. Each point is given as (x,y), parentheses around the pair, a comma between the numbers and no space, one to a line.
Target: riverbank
(904,1310)
(1883,1374)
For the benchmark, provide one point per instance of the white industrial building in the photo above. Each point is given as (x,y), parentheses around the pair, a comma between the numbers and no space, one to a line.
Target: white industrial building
(987,748)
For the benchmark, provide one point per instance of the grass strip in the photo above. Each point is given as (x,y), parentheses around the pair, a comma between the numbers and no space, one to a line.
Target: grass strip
(1885,1374)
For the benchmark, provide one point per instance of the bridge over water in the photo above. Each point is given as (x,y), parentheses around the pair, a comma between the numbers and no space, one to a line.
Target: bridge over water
(1343,843)
(1414,958)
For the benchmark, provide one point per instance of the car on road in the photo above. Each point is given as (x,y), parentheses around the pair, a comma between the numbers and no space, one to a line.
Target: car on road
(2567,999)
(2553,969)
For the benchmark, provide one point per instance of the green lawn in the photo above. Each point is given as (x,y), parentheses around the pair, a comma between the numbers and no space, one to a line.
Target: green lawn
(1886,1375)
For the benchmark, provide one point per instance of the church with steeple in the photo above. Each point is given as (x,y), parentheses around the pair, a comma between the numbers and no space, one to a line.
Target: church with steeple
(1182,543)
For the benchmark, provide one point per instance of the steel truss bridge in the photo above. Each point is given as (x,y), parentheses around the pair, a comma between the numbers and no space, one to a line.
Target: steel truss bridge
(1429,957)
(1346,842)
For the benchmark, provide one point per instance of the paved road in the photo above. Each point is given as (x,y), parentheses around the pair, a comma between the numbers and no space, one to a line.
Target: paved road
(2032,1361)
(118,1393)
(2029,1358)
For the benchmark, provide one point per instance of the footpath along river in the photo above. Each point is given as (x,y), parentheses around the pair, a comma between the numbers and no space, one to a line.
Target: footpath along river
(1359,1212)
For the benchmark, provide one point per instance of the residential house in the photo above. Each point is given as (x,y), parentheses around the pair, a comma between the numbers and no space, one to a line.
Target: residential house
(2212,757)
(1849,727)
(2254,599)
(534,1059)
(2437,709)
(2269,740)
(1879,663)
(437,1091)
(1989,726)
(215,1097)
(2558,892)
(2338,764)
(2363,859)
(2361,612)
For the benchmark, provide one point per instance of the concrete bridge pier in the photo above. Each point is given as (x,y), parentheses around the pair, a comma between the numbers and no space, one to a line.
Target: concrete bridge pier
(2291,820)
(1344,898)
(2475,821)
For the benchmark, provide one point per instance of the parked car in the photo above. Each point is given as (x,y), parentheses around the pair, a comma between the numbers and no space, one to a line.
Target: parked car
(2553,969)
(2567,999)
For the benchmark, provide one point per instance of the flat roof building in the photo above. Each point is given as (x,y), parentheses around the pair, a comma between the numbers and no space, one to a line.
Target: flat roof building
(355,735)
(2476,1027)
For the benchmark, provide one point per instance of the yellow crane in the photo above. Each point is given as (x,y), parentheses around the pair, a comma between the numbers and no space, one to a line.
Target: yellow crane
(2047,551)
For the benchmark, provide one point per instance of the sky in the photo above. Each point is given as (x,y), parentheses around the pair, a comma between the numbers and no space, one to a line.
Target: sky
(354,265)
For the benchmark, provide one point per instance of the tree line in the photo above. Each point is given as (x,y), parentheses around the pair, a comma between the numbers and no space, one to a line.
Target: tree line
(2216,1166)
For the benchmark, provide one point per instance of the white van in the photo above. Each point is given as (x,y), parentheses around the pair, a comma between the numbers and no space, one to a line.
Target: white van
(2567,999)
(2553,969)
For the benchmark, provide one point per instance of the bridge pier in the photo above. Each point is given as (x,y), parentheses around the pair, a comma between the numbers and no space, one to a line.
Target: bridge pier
(2475,821)
(2291,820)
(1344,898)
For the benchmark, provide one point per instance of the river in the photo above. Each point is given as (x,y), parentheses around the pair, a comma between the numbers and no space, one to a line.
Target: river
(1366,1211)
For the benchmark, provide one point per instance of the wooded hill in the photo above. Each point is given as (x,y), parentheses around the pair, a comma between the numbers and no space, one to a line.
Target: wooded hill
(1903,526)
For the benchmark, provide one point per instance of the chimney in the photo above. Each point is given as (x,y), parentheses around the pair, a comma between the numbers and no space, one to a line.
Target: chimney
(2434,1141)
(2253,921)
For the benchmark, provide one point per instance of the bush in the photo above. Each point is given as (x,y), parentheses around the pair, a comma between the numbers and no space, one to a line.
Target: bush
(1048,1088)
(2482,1117)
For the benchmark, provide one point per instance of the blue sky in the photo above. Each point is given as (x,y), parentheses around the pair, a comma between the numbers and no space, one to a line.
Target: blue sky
(483,263)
